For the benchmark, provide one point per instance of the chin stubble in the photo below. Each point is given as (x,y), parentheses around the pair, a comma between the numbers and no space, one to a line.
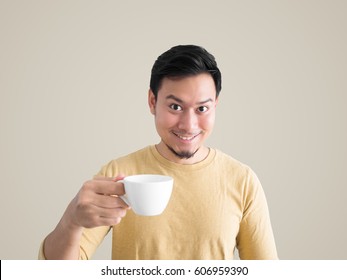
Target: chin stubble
(182,155)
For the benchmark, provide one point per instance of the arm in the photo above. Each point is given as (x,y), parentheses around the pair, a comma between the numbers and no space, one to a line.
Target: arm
(255,239)
(63,242)
(95,205)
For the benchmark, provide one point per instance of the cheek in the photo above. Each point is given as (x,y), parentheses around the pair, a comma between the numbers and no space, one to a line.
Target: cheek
(165,120)
(207,122)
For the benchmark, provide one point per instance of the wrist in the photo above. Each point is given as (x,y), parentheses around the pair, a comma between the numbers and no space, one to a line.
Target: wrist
(68,222)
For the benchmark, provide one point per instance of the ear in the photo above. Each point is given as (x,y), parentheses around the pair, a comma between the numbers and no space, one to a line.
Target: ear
(151,101)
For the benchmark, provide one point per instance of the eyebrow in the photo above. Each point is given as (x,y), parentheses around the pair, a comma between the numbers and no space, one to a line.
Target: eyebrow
(181,101)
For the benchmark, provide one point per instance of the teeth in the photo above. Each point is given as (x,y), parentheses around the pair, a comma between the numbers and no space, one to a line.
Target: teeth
(185,137)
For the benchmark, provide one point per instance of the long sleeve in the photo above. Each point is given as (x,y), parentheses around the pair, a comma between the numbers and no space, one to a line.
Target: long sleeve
(255,239)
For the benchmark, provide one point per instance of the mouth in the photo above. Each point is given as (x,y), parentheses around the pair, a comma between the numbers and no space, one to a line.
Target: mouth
(186,138)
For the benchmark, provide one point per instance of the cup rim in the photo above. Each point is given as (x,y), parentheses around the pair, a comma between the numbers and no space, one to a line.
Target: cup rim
(144,178)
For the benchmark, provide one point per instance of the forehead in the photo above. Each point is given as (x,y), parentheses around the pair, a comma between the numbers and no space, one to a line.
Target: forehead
(192,88)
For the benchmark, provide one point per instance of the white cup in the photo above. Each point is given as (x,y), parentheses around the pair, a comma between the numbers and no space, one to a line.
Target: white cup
(147,195)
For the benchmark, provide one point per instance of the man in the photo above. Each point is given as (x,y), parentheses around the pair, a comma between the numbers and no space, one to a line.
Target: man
(217,203)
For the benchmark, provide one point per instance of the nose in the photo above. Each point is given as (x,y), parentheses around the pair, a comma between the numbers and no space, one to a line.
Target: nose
(188,121)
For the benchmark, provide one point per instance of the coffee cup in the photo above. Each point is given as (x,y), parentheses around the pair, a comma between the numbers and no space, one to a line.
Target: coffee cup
(147,194)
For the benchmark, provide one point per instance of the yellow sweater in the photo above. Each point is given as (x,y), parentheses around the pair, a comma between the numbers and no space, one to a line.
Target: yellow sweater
(217,205)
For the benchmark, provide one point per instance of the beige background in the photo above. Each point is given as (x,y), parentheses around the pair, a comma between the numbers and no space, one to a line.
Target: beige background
(73,86)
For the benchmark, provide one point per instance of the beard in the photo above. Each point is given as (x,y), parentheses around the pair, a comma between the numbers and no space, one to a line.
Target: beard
(182,154)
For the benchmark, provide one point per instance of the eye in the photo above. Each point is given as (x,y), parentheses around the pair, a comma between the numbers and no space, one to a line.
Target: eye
(202,109)
(176,107)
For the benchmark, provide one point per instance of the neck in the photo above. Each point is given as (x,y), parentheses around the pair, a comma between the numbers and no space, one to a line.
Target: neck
(170,154)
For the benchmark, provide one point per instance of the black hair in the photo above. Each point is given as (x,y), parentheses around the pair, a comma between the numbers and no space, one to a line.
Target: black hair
(183,61)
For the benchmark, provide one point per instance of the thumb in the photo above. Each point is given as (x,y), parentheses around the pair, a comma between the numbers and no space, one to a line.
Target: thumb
(118,177)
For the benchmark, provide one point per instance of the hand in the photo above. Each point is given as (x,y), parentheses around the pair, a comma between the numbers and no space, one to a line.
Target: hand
(97,203)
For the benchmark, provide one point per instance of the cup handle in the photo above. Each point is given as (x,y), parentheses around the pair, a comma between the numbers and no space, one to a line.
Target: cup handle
(123,197)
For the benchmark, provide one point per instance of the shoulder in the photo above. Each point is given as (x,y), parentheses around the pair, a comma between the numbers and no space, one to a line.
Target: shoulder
(236,171)
(122,163)
(224,160)
(134,156)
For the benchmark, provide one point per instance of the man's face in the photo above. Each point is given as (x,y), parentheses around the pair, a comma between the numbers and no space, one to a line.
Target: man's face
(184,116)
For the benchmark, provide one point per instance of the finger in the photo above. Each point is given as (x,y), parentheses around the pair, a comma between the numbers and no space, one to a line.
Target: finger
(118,178)
(105,186)
(108,201)
(111,217)
(104,217)
(114,179)
(109,221)
(112,213)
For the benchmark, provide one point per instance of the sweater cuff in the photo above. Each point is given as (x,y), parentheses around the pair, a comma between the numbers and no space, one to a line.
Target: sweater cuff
(41,255)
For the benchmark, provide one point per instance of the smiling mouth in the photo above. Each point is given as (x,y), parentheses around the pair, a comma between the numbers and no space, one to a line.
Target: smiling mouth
(186,137)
